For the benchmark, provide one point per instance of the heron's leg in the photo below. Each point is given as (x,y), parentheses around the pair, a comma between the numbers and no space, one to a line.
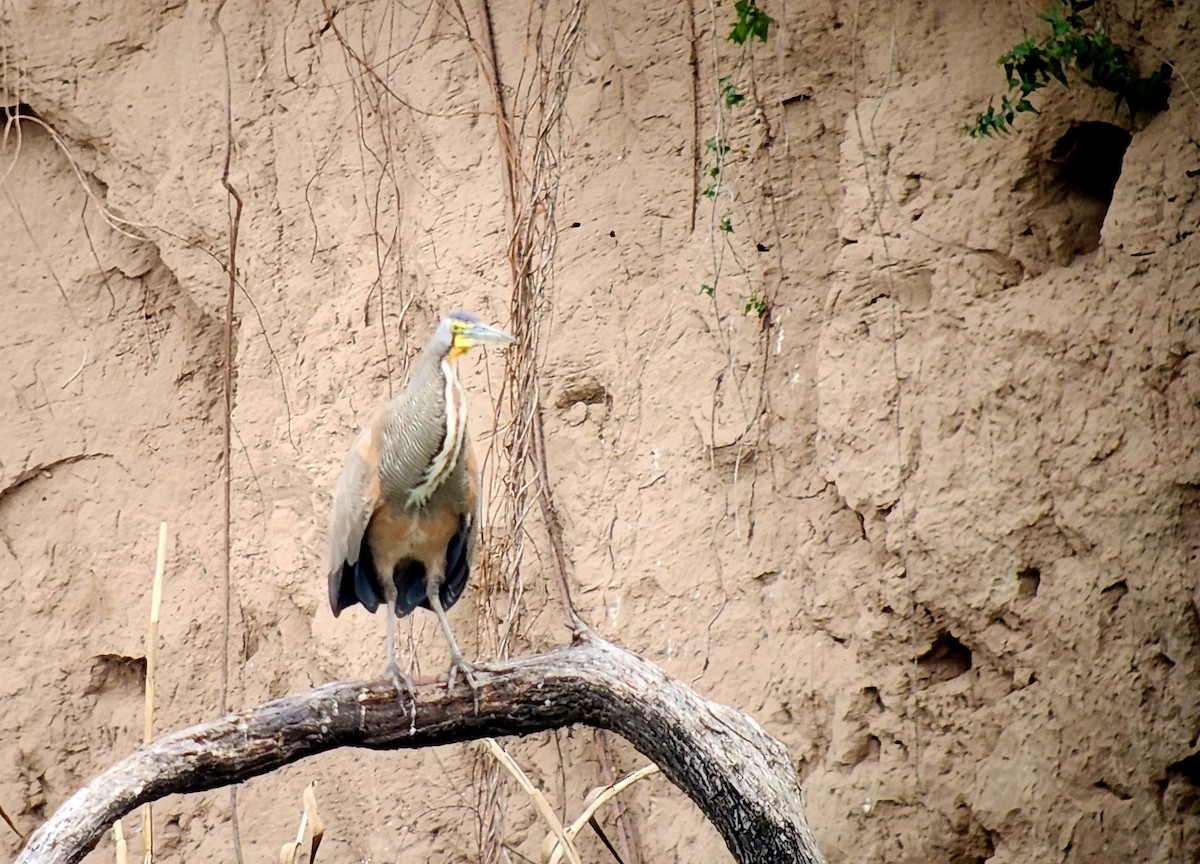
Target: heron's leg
(400,679)
(391,637)
(457,662)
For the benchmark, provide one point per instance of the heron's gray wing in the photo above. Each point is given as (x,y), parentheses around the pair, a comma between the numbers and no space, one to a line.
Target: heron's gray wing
(358,494)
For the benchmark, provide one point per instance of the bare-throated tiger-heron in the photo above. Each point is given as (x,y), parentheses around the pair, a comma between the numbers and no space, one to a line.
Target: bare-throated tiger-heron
(404,519)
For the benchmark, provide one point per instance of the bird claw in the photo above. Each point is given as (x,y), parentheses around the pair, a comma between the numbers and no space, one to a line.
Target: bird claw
(403,683)
(458,664)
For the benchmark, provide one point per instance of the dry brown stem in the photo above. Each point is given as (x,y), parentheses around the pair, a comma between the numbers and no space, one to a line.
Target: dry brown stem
(740,777)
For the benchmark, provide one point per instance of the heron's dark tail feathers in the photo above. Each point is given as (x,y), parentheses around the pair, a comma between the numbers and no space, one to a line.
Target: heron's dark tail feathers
(355,583)
(458,566)
(409,577)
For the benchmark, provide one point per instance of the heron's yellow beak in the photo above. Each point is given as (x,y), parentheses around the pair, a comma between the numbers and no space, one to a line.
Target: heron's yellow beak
(480,334)
(471,335)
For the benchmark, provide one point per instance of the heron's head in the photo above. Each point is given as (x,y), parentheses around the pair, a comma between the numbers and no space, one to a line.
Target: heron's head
(459,332)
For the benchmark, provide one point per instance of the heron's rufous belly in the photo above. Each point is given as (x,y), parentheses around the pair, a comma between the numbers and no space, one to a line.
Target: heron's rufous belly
(421,536)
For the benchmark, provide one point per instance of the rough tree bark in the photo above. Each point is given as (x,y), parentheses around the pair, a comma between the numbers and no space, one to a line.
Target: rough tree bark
(740,777)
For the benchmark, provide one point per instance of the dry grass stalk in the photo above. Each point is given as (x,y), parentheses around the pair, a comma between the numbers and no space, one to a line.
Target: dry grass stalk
(535,795)
(597,798)
(9,822)
(151,668)
(311,826)
(119,839)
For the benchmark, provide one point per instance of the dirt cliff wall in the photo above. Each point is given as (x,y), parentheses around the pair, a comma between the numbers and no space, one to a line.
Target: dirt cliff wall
(933,519)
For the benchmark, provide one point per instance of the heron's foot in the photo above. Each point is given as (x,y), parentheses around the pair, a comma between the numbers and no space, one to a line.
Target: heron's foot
(457,665)
(403,684)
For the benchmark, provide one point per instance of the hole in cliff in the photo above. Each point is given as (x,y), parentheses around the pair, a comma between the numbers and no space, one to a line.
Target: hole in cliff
(968,842)
(585,390)
(16,112)
(1089,157)
(874,702)
(1115,592)
(869,752)
(947,658)
(1179,790)
(989,847)
(117,672)
(1086,162)
(1187,768)
(1028,582)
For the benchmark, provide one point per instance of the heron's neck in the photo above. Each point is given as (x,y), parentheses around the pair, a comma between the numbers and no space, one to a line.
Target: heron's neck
(445,460)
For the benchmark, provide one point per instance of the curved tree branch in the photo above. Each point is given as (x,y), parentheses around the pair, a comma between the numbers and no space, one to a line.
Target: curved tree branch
(740,777)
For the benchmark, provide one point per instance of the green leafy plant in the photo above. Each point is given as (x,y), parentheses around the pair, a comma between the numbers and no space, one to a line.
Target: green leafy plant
(730,94)
(1076,43)
(751,22)
(716,149)
(716,146)
(755,304)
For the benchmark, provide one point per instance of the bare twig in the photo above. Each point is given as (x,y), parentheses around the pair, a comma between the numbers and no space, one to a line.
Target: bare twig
(235,220)
(694,67)
(531,184)
(625,825)
(530,181)
(9,822)
(77,372)
(897,321)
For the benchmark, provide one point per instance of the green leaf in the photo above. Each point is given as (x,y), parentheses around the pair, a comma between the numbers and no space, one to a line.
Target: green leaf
(729,92)
(716,145)
(1073,40)
(754,304)
(751,22)
(760,26)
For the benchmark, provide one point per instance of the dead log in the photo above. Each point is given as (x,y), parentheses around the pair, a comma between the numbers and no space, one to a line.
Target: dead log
(740,777)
